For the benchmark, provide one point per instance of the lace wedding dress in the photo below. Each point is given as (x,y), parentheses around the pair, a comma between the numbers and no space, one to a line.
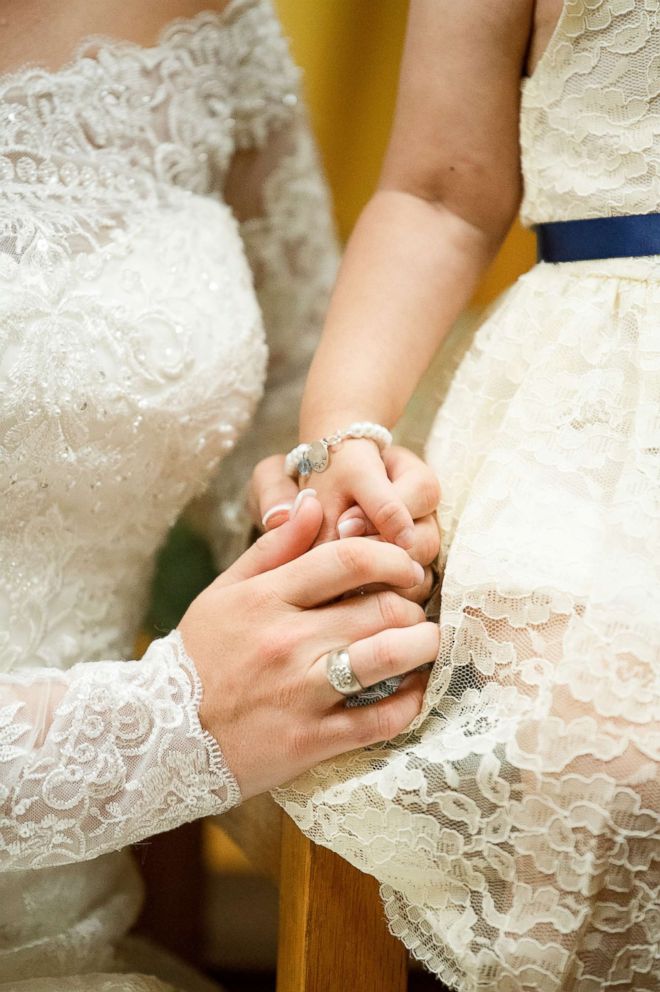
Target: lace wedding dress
(516,829)
(132,355)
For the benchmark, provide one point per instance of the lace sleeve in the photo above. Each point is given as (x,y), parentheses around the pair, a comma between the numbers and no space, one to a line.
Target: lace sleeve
(103,755)
(277,191)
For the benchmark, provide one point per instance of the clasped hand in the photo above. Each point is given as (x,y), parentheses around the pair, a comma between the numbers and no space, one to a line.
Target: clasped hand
(259,633)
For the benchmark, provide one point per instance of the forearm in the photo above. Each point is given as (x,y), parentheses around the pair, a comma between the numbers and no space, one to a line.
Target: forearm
(410,268)
(103,755)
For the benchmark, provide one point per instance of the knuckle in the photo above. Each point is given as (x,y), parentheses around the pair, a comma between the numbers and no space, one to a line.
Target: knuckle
(262,646)
(336,739)
(387,513)
(429,545)
(366,732)
(392,608)
(272,638)
(353,556)
(260,598)
(384,724)
(429,492)
(281,642)
(303,743)
(384,655)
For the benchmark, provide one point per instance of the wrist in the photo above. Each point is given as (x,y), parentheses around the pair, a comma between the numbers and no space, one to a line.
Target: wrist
(317,420)
(314,456)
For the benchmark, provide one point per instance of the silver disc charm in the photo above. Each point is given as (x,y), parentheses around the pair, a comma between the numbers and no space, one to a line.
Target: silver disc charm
(317,456)
(340,674)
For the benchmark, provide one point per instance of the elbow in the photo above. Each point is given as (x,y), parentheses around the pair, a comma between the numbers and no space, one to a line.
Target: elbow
(486,199)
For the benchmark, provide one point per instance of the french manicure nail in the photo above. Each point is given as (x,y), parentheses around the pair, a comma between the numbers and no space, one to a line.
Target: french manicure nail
(303,494)
(275,511)
(354,527)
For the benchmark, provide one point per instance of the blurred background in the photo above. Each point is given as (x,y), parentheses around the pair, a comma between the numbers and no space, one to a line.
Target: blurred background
(206,901)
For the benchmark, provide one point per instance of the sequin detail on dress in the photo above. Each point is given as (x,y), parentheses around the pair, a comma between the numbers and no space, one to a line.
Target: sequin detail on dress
(133,352)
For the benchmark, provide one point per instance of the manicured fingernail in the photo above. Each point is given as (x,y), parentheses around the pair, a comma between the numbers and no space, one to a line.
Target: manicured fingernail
(420,575)
(406,538)
(280,508)
(355,527)
(302,495)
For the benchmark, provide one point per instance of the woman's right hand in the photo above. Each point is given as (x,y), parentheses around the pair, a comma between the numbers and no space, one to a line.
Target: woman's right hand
(259,634)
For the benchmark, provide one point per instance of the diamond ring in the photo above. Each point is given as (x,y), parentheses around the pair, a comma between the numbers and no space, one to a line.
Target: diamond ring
(340,674)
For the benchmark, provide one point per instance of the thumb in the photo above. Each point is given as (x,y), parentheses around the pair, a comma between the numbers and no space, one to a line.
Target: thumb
(271,493)
(281,545)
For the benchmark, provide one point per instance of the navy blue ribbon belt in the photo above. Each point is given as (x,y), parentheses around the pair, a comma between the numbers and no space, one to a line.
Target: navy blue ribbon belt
(600,237)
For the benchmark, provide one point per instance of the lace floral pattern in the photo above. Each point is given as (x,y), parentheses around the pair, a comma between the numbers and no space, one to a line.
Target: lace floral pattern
(92,761)
(515,829)
(133,353)
(122,130)
(590,115)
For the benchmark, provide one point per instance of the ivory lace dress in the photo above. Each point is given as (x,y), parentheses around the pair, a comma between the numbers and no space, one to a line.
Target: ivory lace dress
(516,829)
(132,355)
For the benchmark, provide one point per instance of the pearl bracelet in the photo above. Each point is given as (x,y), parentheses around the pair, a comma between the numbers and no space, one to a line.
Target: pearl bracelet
(315,457)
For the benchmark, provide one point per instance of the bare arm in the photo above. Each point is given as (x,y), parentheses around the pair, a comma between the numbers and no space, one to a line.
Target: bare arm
(449,190)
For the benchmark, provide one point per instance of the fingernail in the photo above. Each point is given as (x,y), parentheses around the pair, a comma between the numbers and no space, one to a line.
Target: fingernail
(406,538)
(420,575)
(302,495)
(283,508)
(355,527)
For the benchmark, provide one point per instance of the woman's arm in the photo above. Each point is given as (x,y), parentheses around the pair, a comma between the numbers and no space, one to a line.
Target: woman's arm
(109,753)
(448,192)
(103,755)
(449,189)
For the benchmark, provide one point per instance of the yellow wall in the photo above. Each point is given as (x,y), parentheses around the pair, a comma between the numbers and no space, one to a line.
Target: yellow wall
(350,52)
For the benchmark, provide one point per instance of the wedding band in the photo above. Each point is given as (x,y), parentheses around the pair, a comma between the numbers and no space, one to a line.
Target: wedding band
(340,674)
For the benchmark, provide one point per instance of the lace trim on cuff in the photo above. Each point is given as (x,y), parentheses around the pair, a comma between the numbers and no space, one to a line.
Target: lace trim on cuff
(227,783)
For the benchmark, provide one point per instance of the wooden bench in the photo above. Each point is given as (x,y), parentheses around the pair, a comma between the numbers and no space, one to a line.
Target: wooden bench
(332,931)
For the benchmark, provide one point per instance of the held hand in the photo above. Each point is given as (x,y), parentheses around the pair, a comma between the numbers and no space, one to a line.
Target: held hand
(272,494)
(418,487)
(259,639)
(357,475)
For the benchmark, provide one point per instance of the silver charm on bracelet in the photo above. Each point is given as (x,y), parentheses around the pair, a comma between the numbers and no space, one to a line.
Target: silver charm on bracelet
(315,457)
(340,674)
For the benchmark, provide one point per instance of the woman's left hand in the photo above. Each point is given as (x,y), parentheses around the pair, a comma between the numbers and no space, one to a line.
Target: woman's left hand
(272,494)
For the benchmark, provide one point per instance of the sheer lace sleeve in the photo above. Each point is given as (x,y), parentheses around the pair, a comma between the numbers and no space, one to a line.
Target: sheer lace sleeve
(276,189)
(103,755)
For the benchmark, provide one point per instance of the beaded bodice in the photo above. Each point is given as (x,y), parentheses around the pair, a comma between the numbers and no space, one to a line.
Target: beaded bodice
(164,229)
(132,351)
(590,115)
